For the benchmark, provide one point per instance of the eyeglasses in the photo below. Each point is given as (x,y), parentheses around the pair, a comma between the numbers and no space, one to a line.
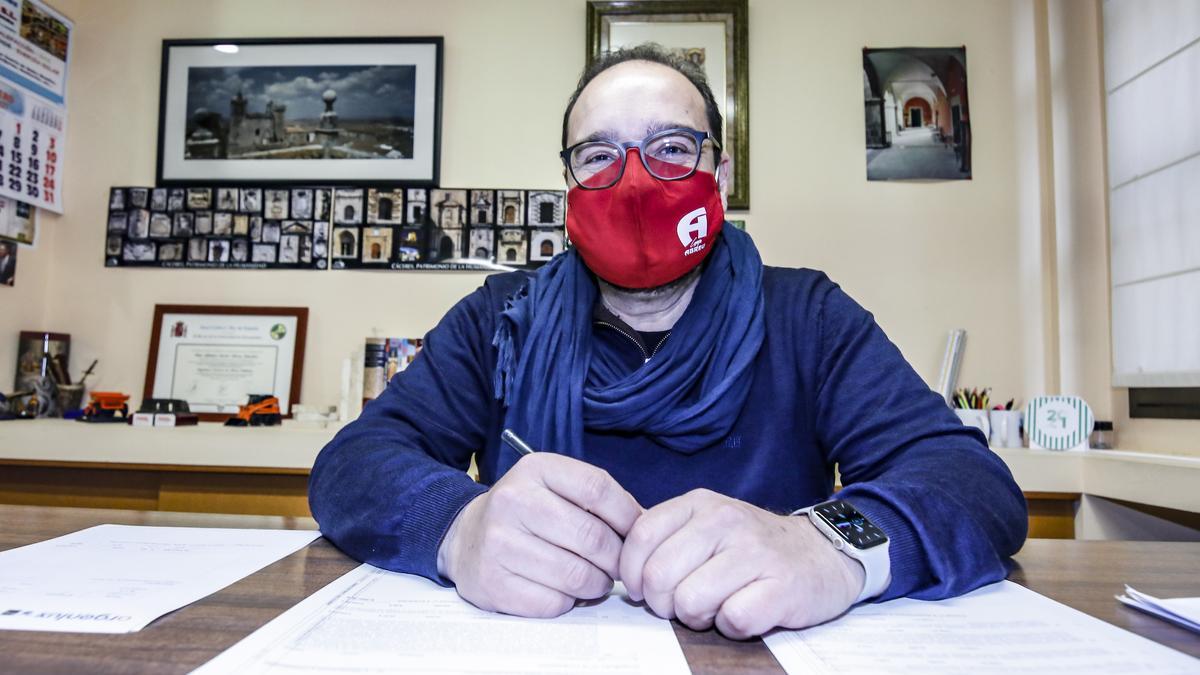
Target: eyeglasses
(672,154)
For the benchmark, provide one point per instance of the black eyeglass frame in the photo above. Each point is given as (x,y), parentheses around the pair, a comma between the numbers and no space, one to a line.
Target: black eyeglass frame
(623,148)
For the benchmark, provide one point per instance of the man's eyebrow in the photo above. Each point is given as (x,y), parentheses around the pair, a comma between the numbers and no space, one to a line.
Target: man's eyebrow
(613,137)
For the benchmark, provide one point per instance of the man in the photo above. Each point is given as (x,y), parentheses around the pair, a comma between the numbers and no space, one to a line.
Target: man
(684,400)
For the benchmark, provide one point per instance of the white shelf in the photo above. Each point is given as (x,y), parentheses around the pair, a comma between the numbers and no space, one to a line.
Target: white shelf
(288,446)
(1158,480)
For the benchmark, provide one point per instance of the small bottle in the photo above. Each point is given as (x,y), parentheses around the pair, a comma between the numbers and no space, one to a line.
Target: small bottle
(1103,437)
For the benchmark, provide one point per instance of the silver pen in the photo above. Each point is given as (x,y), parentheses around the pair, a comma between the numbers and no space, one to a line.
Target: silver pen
(515,441)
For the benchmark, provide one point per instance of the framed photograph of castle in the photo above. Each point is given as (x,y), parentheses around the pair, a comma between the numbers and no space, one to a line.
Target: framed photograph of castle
(345,111)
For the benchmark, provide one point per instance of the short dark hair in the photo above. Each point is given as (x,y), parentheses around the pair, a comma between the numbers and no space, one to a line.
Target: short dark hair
(654,53)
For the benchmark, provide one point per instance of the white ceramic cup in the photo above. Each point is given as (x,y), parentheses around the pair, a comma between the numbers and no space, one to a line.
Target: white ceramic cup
(975,418)
(1006,428)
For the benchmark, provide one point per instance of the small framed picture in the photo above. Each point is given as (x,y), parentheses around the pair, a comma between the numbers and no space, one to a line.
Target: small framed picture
(512,247)
(345,243)
(270,232)
(139,224)
(376,244)
(289,249)
(197,249)
(448,208)
(218,250)
(482,210)
(170,252)
(160,225)
(263,253)
(176,199)
(251,200)
(139,198)
(275,206)
(117,221)
(183,225)
(416,202)
(222,224)
(158,199)
(204,222)
(302,203)
(239,251)
(385,207)
(510,207)
(193,349)
(241,225)
(116,199)
(545,244)
(227,199)
(112,246)
(140,251)
(348,206)
(546,207)
(199,199)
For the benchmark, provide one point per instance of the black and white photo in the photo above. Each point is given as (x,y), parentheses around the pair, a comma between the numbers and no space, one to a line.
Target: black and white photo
(298,111)
(251,200)
(302,203)
(199,198)
(227,199)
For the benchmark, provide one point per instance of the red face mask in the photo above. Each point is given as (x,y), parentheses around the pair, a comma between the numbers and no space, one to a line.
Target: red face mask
(644,232)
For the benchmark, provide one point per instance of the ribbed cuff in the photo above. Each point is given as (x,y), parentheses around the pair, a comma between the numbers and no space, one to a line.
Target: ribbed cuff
(428,519)
(908,567)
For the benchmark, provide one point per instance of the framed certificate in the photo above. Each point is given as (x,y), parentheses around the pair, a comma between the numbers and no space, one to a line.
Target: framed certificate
(216,357)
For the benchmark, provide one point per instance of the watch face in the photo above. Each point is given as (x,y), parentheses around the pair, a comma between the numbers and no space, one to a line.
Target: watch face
(853,526)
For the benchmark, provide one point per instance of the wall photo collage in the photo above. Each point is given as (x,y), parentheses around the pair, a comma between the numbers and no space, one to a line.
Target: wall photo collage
(333,227)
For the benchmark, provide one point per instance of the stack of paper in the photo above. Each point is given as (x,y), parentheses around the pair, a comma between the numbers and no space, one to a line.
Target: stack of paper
(1001,628)
(119,578)
(1183,612)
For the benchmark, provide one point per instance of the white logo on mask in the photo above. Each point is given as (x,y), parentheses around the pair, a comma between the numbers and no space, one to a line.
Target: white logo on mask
(692,230)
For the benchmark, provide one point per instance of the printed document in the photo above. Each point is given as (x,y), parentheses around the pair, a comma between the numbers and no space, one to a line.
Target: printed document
(119,578)
(1001,628)
(374,621)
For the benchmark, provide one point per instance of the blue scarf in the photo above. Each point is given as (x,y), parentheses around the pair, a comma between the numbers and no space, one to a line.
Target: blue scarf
(686,398)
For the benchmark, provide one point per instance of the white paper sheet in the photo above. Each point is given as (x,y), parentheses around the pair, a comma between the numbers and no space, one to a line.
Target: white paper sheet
(374,621)
(119,578)
(1001,628)
(1183,612)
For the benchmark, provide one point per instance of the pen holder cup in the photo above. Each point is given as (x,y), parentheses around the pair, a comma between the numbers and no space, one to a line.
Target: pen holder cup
(1006,428)
(975,418)
(70,397)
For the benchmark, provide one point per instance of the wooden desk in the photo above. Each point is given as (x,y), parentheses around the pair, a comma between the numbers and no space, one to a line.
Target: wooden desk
(1084,575)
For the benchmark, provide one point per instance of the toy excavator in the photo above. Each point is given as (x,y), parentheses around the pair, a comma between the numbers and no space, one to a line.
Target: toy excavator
(262,410)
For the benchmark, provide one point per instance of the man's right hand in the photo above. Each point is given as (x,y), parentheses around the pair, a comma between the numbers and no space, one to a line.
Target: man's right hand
(548,533)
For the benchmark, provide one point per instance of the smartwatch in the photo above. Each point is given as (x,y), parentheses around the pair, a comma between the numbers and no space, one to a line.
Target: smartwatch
(854,535)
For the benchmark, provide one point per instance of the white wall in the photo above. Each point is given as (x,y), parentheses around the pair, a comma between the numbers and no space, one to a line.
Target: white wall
(981,254)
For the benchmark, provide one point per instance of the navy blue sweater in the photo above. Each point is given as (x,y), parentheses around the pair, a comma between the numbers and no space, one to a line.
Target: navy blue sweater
(829,390)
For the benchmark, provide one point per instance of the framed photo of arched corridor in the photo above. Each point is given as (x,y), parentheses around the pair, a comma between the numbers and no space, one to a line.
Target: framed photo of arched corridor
(918,121)
(345,111)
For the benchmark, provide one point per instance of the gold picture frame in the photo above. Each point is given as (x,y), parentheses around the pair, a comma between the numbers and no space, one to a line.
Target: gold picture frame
(695,27)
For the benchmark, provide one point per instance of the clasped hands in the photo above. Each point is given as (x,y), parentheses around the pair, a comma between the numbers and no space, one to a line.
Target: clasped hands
(554,530)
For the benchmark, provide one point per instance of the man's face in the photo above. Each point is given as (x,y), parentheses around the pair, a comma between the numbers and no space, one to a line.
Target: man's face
(634,99)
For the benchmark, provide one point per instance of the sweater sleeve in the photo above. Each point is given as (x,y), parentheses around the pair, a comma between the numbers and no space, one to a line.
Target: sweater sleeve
(948,504)
(387,487)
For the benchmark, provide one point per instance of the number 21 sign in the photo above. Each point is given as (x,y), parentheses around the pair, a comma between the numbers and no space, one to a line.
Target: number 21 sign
(1058,423)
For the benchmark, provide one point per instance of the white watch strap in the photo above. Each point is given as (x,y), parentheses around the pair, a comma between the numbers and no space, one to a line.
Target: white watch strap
(877,564)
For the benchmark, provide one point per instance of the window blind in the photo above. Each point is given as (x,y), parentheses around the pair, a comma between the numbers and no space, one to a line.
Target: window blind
(1152,85)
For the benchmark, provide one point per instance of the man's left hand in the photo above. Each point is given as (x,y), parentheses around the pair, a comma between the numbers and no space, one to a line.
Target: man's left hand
(707,559)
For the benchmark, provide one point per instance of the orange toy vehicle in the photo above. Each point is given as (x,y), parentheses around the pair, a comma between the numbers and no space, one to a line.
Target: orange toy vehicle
(104,407)
(261,411)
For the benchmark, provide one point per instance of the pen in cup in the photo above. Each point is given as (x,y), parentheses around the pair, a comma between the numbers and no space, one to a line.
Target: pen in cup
(515,442)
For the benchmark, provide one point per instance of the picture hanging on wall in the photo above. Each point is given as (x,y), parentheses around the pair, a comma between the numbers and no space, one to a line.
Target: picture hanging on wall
(300,111)
(918,123)
(221,227)
(713,35)
(446,229)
